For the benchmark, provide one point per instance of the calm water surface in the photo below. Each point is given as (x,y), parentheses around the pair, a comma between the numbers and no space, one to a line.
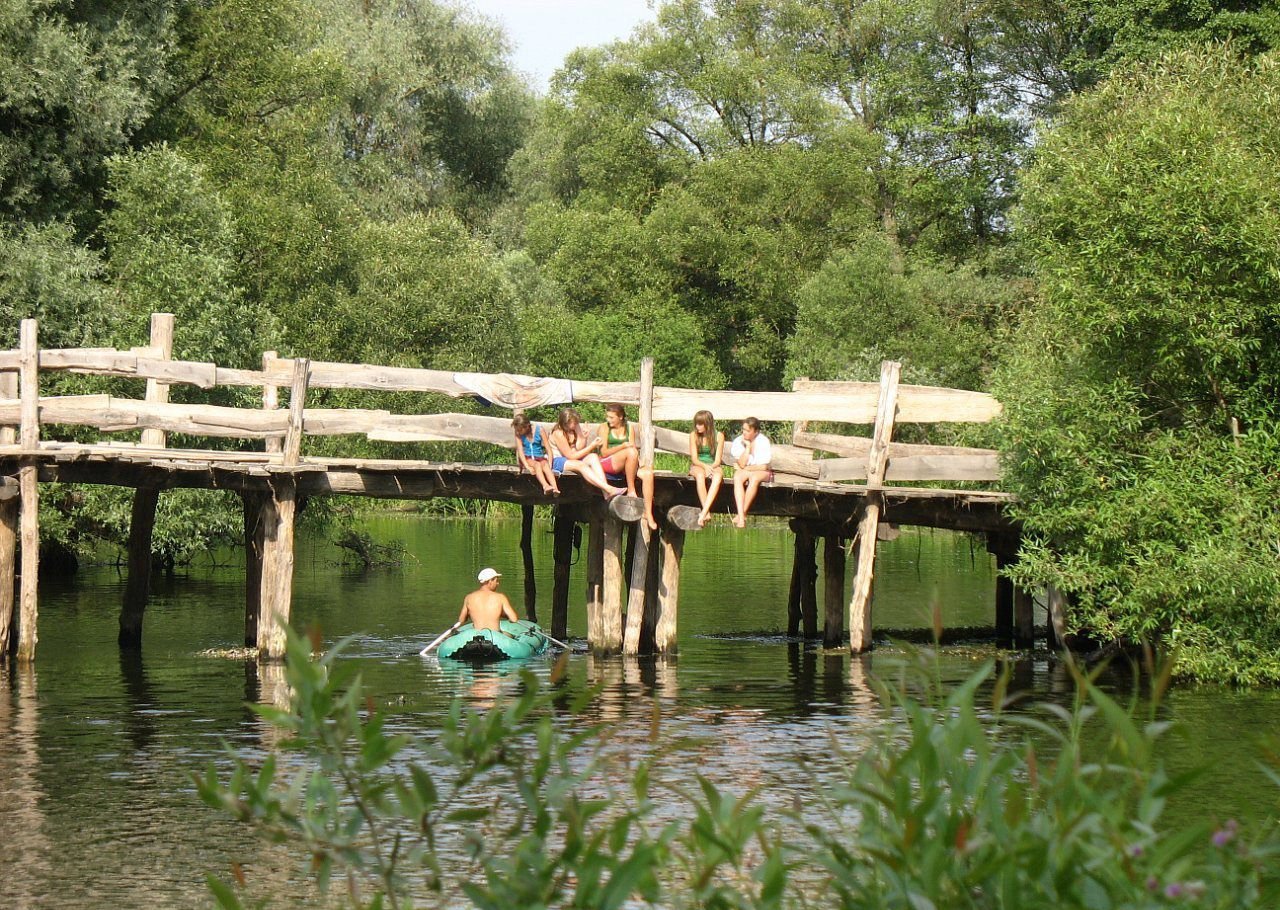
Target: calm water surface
(96,749)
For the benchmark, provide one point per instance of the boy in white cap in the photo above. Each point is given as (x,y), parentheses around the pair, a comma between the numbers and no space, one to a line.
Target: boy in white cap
(485,607)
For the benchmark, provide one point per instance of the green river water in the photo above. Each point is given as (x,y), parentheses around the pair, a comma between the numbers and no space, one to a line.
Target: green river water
(96,749)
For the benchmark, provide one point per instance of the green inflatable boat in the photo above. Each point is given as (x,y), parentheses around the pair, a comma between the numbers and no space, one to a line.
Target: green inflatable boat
(517,639)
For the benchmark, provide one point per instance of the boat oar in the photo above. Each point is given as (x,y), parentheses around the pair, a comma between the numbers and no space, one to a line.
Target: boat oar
(447,632)
(554,641)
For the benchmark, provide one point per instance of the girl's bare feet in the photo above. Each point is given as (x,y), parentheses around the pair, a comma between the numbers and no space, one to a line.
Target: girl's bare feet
(614,491)
(555,491)
(702,519)
(651,522)
(739,521)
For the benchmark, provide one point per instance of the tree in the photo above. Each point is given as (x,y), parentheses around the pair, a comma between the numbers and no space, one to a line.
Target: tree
(1142,394)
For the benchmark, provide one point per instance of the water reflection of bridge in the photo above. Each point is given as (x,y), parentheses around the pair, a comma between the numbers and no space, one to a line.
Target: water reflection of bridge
(839,489)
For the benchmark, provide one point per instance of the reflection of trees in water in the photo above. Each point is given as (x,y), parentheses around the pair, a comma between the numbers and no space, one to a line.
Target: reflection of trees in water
(25,858)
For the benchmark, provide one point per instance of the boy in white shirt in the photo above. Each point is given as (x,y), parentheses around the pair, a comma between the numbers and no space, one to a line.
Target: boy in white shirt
(751,453)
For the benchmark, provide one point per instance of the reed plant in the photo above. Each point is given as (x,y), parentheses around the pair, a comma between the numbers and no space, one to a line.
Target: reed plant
(959,804)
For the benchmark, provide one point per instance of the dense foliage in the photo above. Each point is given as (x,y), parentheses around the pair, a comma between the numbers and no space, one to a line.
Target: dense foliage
(1142,396)
(747,190)
(958,804)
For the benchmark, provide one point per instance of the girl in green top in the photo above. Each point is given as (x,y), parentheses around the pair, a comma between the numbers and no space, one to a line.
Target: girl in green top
(706,445)
(619,454)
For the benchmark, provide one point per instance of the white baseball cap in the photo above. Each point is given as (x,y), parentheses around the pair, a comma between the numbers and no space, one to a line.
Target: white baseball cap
(487,575)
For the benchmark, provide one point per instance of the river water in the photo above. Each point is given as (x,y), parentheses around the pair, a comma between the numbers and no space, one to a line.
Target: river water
(97,749)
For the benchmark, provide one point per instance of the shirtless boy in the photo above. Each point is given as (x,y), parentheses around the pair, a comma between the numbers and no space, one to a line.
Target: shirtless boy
(485,607)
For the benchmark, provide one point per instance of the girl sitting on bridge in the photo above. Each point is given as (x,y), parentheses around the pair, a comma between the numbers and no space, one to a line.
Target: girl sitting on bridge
(619,455)
(531,454)
(706,451)
(573,454)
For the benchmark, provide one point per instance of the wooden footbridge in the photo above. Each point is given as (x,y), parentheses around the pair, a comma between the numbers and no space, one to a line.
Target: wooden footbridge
(834,487)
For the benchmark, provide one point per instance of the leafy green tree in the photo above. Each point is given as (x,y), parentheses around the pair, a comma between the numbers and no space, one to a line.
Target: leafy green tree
(1141,396)
(76,82)
(870,304)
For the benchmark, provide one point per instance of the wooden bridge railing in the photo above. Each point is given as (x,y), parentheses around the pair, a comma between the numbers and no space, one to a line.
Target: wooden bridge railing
(812,458)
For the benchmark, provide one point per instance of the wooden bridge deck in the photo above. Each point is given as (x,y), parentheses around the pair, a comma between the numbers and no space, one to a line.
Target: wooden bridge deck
(840,488)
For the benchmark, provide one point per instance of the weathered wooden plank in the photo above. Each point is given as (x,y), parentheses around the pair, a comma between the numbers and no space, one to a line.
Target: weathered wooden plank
(916,403)
(29,385)
(28,604)
(292,449)
(860,631)
(8,564)
(271,401)
(108,411)
(665,629)
(157,391)
(636,597)
(918,467)
(860,446)
(608,638)
(276,532)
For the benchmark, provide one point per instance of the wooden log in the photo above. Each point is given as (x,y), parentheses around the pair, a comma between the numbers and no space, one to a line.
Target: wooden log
(29,508)
(1024,626)
(684,517)
(1004,604)
(29,386)
(608,637)
(860,630)
(563,527)
(271,400)
(841,402)
(253,505)
(637,600)
(793,593)
(667,621)
(595,571)
(916,403)
(108,412)
(808,558)
(292,450)
(645,414)
(860,446)
(28,608)
(137,588)
(652,590)
(8,570)
(627,508)
(157,391)
(526,551)
(916,468)
(276,534)
(1056,607)
(833,559)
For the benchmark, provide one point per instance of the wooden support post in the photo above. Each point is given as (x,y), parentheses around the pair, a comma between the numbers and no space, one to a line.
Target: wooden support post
(291,454)
(271,400)
(29,439)
(158,391)
(595,571)
(797,584)
(833,590)
(562,554)
(637,596)
(860,630)
(137,587)
(1004,606)
(8,526)
(142,518)
(8,554)
(608,637)
(665,628)
(1056,608)
(640,549)
(526,550)
(276,535)
(1024,623)
(253,505)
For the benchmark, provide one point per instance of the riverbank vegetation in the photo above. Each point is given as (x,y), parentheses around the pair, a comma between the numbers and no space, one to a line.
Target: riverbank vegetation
(960,803)
(1068,203)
